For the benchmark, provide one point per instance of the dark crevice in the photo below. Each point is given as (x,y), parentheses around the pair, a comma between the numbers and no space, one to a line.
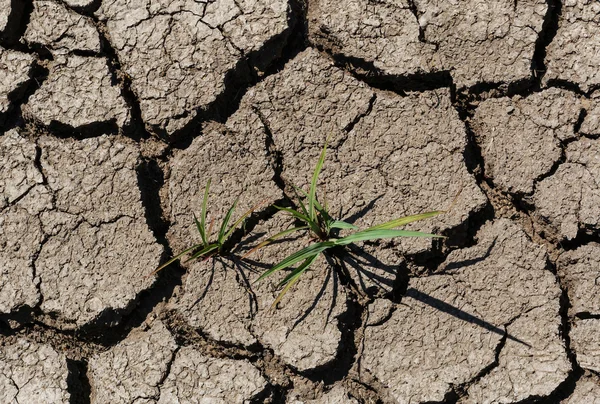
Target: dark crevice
(94,129)
(368,73)
(348,323)
(359,117)
(580,119)
(545,37)
(566,388)
(88,10)
(250,70)
(586,315)
(20,96)
(136,128)
(160,383)
(583,237)
(18,19)
(275,157)
(461,390)
(78,384)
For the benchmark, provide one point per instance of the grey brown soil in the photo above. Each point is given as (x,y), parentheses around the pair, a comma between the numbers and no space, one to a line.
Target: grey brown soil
(115,114)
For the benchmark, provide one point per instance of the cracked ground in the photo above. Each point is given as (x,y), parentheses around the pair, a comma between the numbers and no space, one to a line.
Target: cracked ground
(114,114)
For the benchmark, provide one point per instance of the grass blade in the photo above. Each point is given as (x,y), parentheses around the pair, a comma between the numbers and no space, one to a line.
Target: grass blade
(292,278)
(340,224)
(202,224)
(381,234)
(294,213)
(405,220)
(175,258)
(226,220)
(313,249)
(275,237)
(303,267)
(242,218)
(207,249)
(313,184)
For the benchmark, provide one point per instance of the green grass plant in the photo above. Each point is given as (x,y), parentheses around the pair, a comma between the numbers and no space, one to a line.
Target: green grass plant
(210,246)
(315,218)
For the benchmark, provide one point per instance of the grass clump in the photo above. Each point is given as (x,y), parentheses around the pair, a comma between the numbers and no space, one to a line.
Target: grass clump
(210,247)
(315,218)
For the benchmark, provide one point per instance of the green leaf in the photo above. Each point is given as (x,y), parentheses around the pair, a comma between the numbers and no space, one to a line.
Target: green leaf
(293,277)
(302,205)
(202,225)
(207,249)
(313,184)
(294,213)
(222,231)
(175,258)
(405,220)
(303,267)
(340,224)
(275,237)
(381,234)
(241,219)
(298,256)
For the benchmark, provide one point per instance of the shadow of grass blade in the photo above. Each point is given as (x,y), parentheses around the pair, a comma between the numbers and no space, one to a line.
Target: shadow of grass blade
(405,220)
(293,278)
(381,234)
(300,255)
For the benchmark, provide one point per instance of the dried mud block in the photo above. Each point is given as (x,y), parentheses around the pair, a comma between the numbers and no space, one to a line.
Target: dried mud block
(237,165)
(448,327)
(219,381)
(473,41)
(99,247)
(302,105)
(570,199)
(479,43)
(215,297)
(5,9)
(22,198)
(591,121)
(79,3)
(580,272)
(95,178)
(337,395)
(573,54)
(132,369)
(526,371)
(14,71)
(32,373)
(304,329)
(78,92)
(385,34)
(53,25)
(88,270)
(512,159)
(389,155)
(585,341)
(19,173)
(587,390)
(209,41)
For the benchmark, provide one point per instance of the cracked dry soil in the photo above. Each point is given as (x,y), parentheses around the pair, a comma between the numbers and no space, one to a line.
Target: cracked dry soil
(115,113)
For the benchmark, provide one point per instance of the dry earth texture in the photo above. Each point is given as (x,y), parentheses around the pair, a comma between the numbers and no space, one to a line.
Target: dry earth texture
(114,114)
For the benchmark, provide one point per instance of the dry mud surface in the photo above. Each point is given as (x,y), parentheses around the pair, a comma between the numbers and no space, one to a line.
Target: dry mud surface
(114,114)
